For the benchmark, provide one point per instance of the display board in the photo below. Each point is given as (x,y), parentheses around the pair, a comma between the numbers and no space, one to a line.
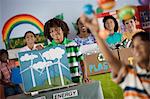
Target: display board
(46,68)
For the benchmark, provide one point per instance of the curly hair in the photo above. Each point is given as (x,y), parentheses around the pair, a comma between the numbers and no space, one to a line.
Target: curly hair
(78,31)
(115,21)
(55,23)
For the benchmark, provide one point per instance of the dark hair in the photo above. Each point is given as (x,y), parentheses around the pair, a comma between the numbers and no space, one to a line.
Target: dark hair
(78,31)
(55,23)
(29,32)
(2,51)
(115,22)
(123,21)
(145,36)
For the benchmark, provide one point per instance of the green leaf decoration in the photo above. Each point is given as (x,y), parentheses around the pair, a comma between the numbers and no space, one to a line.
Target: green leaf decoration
(60,16)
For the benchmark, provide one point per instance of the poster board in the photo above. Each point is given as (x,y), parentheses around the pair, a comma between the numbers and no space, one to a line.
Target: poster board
(44,69)
(96,63)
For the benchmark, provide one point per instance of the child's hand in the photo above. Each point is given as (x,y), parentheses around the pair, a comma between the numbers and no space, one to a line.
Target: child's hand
(39,47)
(91,23)
(87,80)
(17,63)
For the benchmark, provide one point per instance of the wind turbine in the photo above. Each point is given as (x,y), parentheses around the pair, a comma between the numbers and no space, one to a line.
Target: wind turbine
(47,71)
(32,74)
(60,65)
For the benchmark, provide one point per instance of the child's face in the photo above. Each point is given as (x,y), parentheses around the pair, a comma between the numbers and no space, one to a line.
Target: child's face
(30,38)
(81,27)
(130,25)
(57,34)
(141,51)
(110,25)
(4,57)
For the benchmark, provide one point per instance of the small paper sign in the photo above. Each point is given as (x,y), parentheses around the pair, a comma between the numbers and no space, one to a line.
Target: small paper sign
(66,94)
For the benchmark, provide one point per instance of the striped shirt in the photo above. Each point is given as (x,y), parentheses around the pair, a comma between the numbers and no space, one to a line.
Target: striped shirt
(135,82)
(73,54)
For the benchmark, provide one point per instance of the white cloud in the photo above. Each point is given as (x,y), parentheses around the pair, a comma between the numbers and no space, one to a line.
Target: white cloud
(41,65)
(28,57)
(54,53)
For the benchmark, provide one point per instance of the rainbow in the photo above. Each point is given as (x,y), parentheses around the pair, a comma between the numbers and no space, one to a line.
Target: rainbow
(18,20)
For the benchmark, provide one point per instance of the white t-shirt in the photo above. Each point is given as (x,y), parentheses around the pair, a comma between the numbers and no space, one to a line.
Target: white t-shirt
(26,48)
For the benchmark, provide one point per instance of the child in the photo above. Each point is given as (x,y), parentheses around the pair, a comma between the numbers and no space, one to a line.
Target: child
(56,31)
(134,80)
(84,35)
(5,71)
(30,42)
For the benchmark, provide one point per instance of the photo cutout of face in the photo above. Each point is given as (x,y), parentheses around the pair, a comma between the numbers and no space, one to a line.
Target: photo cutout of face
(110,23)
(130,25)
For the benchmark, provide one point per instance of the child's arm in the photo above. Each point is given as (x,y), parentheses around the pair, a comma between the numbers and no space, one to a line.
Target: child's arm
(39,47)
(92,24)
(84,71)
